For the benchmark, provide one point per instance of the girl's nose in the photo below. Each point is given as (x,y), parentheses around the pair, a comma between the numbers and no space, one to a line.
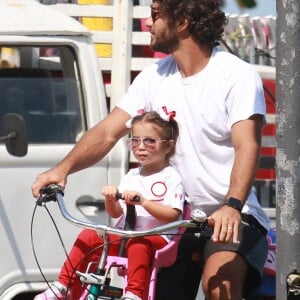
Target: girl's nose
(141,146)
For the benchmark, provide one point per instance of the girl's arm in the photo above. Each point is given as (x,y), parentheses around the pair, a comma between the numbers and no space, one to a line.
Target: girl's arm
(162,212)
(112,204)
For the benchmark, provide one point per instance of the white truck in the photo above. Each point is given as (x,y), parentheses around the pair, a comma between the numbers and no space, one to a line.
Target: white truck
(54,82)
(51,75)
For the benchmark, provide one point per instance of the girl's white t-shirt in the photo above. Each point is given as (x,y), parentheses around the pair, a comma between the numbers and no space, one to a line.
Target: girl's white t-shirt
(207,104)
(164,187)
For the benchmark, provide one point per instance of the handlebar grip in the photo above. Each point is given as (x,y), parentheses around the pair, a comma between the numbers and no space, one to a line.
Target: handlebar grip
(135,198)
(48,193)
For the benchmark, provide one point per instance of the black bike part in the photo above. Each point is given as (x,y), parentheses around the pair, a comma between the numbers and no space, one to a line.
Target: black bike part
(130,220)
(135,198)
(48,193)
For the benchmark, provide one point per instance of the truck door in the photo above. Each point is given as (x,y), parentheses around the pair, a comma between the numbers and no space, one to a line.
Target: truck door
(45,87)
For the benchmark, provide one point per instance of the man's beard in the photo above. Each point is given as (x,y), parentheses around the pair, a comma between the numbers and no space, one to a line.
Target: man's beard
(165,44)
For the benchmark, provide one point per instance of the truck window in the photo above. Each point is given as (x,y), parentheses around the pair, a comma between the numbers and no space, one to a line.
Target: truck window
(41,84)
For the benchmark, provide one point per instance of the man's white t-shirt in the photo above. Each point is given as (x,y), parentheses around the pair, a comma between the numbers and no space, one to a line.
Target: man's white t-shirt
(207,104)
(164,187)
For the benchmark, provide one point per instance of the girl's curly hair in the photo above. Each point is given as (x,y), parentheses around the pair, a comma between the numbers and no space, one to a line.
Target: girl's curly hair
(207,20)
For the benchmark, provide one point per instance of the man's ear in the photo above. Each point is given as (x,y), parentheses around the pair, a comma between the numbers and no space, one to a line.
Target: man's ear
(182,24)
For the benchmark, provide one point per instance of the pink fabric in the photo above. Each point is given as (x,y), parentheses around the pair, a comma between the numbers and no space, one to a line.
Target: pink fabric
(140,251)
(270,264)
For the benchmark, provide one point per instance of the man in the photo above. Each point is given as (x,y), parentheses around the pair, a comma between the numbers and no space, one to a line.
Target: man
(220,109)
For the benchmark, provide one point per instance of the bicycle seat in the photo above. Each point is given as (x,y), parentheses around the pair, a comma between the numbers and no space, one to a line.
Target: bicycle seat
(163,257)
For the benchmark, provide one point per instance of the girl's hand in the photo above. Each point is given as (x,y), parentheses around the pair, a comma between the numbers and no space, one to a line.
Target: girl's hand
(110,192)
(132,198)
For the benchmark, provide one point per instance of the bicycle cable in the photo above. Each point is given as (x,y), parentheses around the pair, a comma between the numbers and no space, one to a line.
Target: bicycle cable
(33,247)
(74,268)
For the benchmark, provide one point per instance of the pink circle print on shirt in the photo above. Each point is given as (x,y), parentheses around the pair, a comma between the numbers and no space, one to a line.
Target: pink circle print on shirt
(158,189)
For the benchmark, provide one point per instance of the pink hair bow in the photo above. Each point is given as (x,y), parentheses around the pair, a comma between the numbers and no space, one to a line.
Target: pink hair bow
(128,124)
(167,115)
(163,112)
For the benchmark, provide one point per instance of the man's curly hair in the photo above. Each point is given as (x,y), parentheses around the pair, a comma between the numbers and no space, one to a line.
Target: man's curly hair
(207,20)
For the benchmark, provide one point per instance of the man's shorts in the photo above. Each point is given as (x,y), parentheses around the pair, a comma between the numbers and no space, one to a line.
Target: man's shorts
(253,247)
(185,275)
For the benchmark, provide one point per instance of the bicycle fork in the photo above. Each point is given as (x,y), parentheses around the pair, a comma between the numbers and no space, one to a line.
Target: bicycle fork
(98,280)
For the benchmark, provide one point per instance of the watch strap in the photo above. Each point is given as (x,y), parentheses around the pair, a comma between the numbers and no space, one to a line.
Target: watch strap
(234,203)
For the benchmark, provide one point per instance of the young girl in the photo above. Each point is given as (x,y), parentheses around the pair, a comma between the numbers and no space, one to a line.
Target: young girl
(161,194)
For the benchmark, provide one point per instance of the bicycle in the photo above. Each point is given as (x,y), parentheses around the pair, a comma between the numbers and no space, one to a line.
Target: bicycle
(98,284)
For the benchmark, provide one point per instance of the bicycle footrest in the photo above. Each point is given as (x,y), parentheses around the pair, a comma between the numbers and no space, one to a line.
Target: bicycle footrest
(90,278)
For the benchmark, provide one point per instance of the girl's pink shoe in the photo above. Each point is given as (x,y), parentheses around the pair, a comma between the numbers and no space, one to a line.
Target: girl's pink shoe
(56,292)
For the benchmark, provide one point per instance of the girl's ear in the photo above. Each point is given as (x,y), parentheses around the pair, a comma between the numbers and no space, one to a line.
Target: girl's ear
(170,147)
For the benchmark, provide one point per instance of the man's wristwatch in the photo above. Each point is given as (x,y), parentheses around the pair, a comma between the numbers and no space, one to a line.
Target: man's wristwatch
(234,203)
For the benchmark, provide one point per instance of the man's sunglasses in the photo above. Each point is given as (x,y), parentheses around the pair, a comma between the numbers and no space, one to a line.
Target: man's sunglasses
(155,14)
(149,143)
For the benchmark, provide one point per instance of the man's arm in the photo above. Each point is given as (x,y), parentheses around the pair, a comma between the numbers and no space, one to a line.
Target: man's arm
(91,148)
(246,139)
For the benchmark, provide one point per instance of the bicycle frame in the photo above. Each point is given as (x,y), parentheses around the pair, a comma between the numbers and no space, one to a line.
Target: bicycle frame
(99,281)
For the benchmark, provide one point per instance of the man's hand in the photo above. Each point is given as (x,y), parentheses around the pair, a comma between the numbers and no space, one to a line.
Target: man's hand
(226,224)
(54,176)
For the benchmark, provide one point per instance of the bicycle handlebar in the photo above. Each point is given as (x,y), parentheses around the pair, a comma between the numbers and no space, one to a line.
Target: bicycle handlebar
(135,198)
(55,192)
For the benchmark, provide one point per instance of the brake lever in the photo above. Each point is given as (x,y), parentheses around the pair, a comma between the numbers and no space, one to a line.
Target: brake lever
(48,193)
